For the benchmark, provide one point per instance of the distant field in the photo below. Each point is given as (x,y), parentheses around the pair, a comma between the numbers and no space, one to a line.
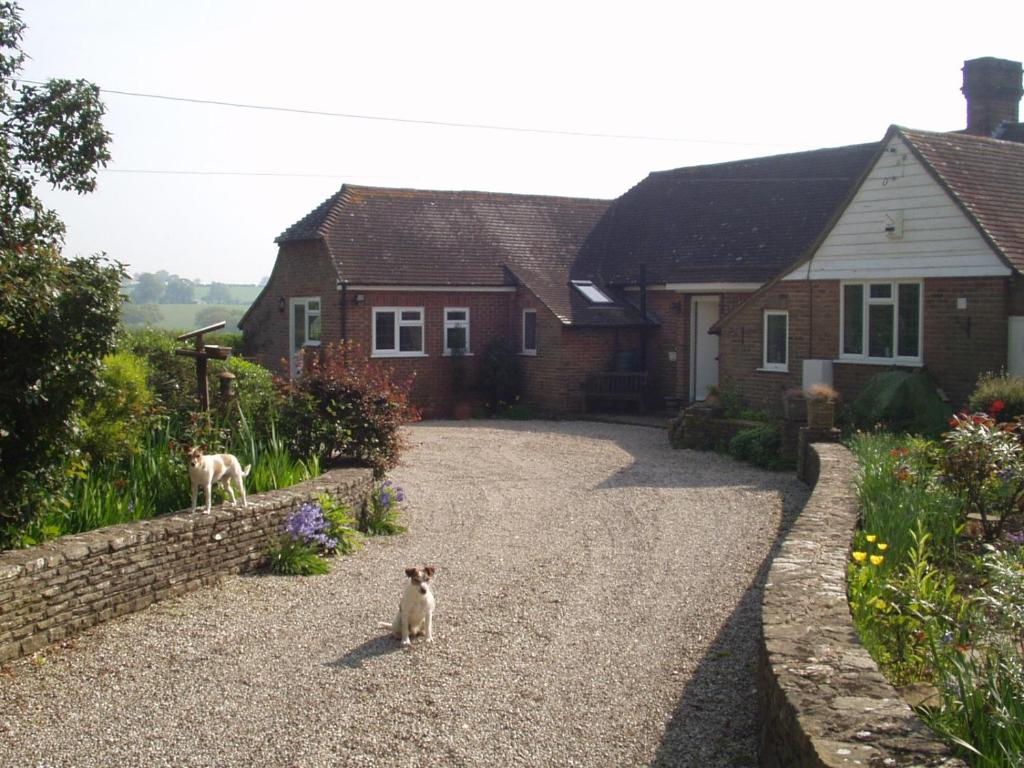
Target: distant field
(244,294)
(182,317)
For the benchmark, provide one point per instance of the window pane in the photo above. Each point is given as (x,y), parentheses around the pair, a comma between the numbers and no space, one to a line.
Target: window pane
(411,316)
(909,328)
(881,291)
(880,328)
(530,331)
(385,328)
(455,338)
(299,311)
(314,305)
(775,342)
(410,338)
(456,314)
(853,319)
(314,328)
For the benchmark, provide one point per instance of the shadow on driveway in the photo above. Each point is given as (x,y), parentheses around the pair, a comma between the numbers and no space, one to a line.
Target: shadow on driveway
(376,646)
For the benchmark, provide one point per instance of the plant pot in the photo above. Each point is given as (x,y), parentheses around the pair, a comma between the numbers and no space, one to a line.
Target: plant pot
(821,414)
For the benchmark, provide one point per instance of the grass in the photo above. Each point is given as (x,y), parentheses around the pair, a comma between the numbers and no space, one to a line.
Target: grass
(182,317)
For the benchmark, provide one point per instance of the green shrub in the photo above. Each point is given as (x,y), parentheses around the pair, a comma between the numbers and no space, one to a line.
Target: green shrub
(257,395)
(998,388)
(117,418)
(58,319)
(501,375)
(172,377)
(382,509)
(760,446)
(292,557)
(344,405)
(901,402)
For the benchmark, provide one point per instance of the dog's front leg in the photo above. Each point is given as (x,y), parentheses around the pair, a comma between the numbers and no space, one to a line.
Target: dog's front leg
(430,627)
(405,629)
(209,496)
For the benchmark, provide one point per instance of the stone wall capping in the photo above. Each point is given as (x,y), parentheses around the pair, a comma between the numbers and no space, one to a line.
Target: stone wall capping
(824,701)
(51,592)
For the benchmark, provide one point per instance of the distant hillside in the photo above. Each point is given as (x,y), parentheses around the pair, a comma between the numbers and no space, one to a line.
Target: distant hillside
(183,317)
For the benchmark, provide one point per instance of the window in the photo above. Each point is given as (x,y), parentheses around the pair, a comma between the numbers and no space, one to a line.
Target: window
(305,322)
(591,292)
(776,340)
(529,332)
(881,322)
(456,330)
(398,331)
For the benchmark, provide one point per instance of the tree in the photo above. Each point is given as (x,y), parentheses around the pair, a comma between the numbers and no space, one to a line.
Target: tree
(49,133)
(148,290)
(58,317)
(178,291)
(218,293)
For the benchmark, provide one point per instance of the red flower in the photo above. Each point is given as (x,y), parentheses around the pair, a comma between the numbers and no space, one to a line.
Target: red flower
(996,407)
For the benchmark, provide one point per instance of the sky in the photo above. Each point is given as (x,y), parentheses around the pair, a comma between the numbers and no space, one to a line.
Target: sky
(202,190)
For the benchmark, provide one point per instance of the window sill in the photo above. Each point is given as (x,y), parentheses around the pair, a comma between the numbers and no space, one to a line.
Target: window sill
(528,353)
(888,363)
(399,354)
(449,354)
(773,370)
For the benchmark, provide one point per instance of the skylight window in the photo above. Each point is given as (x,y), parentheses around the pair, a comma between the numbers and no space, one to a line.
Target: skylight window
(591,292)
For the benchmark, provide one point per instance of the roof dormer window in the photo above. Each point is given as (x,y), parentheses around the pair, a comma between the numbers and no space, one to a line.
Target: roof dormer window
(591,292)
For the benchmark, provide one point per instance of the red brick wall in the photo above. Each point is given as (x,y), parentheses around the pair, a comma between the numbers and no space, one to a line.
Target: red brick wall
(301,269)
(951,355)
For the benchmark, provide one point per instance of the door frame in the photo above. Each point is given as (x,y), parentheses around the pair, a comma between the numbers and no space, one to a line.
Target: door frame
(694,301)
(294,354)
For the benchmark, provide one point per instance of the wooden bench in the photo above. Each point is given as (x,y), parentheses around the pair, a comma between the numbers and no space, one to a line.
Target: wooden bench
(615,386)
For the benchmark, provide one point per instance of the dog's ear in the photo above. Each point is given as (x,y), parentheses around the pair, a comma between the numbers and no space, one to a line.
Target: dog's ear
(429,570)
(410,572)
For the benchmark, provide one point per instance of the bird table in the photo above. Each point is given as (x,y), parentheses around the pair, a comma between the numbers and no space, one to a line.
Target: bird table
(203,352)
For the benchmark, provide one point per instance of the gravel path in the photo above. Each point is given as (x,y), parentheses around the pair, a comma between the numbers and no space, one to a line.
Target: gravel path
(597,606)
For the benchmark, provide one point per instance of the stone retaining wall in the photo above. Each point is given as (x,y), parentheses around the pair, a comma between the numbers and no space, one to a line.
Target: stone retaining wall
(824,701)
(54,591)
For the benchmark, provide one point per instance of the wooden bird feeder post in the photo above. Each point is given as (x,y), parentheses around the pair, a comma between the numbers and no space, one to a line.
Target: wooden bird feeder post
(203,352)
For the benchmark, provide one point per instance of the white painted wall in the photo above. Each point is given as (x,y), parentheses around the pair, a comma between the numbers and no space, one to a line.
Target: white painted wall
(938,240)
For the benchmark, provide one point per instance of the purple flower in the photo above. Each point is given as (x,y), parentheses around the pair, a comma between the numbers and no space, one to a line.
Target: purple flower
(308,525)
(1015,537)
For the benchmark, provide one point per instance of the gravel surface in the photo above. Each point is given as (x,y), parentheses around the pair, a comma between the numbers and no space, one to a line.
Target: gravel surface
(597,605)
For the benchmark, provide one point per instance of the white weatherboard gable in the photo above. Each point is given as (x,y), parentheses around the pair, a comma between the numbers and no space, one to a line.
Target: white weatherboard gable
(934,237)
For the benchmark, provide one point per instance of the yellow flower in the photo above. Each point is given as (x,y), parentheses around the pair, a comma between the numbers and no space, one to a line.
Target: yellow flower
(859,556)
(877,559)
(871,538)
(880,604)
(882,546)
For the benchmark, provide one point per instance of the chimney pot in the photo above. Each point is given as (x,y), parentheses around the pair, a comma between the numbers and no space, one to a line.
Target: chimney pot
(993,91)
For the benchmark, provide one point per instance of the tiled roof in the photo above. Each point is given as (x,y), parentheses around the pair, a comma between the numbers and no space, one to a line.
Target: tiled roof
(986,177)
(740,221)
(386,236)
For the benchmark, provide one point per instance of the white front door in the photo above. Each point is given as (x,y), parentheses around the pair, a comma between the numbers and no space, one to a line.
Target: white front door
(704,347)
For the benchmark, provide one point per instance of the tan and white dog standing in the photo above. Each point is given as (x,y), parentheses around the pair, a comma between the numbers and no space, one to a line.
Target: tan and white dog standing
(205,471)
(416,608)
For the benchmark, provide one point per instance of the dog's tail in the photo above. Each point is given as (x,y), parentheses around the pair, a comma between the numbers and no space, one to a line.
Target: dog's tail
(245,472)
(385,624)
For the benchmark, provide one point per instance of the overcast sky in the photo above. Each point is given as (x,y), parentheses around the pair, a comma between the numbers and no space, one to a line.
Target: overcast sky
(722,80)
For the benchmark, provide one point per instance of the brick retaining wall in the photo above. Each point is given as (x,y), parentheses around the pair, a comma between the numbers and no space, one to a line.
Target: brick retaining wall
(824,701)
(53,591)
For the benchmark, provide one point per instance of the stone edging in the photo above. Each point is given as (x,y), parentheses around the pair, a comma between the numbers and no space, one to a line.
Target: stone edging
(824,701)
(54,591)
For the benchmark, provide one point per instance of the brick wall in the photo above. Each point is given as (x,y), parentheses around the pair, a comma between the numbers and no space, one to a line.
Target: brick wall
(54,591)
(958,344)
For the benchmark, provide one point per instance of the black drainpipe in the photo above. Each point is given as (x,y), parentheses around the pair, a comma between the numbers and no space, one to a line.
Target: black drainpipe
(643,315)
(344,310)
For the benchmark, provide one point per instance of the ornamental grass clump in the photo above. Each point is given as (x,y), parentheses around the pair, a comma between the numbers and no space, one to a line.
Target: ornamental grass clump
(383,508)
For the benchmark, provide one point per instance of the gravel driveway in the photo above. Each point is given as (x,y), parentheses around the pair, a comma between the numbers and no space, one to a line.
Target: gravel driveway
(597,601)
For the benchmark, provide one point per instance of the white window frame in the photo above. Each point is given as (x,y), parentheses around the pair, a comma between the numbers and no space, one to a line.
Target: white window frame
(525,350)
(893,301)
(449,324)
(399,324)
(592,293)
(318,312)
(765,364)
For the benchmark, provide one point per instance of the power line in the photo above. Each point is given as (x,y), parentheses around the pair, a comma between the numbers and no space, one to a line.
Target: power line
(434,123)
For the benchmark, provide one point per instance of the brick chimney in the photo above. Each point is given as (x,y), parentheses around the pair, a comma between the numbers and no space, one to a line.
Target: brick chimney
(993,90)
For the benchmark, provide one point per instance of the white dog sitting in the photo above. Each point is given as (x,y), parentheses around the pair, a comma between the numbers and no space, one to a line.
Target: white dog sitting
(221,468)
(416,608)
